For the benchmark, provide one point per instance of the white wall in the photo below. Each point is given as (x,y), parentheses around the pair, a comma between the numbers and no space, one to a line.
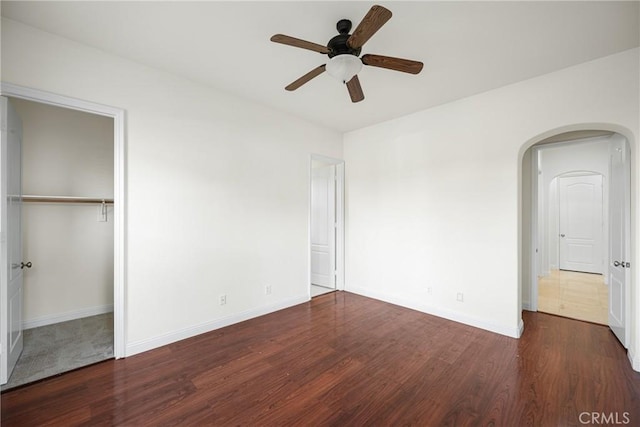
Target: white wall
(587,155)
(217,187)
(433,198)
(317,164)
(65,153)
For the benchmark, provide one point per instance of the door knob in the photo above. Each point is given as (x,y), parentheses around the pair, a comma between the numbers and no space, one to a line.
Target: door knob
(562,235)
(27,265)
(617,263)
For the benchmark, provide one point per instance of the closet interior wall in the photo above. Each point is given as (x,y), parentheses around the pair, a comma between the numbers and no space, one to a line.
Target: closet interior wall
(66,153)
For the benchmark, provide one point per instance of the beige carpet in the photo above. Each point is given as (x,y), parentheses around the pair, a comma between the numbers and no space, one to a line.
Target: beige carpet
(61,347)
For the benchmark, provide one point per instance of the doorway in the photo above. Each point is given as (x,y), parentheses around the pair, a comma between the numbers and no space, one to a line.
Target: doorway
(580,222)
(576,289)
(326,230)
(576,295)
(101,212)
(574,179)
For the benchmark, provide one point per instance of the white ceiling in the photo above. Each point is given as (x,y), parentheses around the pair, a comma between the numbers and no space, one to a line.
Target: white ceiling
(467,47)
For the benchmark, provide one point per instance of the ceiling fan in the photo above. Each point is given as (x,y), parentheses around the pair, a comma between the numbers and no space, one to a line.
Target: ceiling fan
(344,49)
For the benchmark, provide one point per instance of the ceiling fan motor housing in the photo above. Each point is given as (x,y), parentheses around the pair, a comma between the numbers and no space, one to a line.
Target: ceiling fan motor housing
(338,44)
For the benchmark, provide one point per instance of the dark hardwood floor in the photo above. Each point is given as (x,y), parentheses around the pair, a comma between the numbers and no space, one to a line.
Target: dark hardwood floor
(344,360)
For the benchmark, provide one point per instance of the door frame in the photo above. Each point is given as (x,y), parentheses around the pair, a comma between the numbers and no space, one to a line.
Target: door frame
(534,228)
(340,206)
(119,184)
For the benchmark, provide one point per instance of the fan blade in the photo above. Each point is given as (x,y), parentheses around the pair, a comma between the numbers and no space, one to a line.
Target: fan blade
(355,90)
(292,41)
(302,80)
(397,64)
(371,23)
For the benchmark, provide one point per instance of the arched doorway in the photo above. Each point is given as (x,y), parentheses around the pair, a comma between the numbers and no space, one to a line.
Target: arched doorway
(603,152)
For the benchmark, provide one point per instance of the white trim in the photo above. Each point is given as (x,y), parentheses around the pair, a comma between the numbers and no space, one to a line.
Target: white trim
(191,331)
(510,331)
(340,207)
(526,305)
(635,360)
(520,327)
(68,315)
(119,244)
(532,304)
(16,91)
(326,159)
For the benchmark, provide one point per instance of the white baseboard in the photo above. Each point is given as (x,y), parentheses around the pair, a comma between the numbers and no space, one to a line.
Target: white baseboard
(191,331)
(520,328)
(67,315)
(634,359)
(513,331)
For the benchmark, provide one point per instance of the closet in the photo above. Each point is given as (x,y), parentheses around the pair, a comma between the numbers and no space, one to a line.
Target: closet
(67,240)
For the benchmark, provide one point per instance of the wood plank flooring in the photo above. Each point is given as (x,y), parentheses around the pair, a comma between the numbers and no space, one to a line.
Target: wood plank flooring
(341,360)
(575,295)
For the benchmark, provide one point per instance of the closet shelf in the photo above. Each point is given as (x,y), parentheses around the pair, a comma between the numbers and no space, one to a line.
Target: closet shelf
(64,199)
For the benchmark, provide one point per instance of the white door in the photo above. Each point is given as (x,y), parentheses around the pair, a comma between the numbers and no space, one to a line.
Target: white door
(619,268)
(581,227)
(11,241)
(323,231)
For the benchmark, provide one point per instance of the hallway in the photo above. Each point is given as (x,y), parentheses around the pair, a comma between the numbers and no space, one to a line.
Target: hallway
(581,296)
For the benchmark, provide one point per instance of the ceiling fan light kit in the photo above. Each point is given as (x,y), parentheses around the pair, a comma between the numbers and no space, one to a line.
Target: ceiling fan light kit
(344,67)
(344,49)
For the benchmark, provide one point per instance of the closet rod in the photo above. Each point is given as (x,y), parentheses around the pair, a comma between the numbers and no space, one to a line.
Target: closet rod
(64,199)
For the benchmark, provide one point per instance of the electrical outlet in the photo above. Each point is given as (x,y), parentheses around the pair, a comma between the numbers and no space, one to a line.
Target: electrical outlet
(223,299)
(267,290)
(460,297)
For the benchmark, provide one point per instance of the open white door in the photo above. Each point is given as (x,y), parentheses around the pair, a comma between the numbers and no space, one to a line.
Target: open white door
(619,268)
(581,227)
(323,226)
(11,241)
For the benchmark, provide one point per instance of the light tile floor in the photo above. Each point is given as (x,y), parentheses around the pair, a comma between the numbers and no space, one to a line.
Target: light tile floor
(581,296)
(320,290)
